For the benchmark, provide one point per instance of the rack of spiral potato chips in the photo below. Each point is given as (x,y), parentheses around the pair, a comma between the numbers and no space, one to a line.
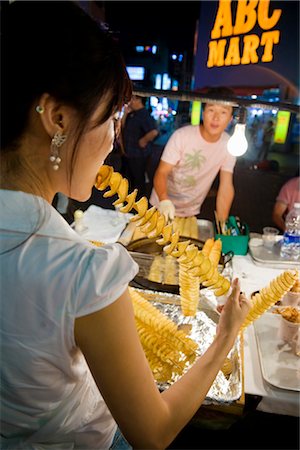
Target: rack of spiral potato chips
(168,349)
(197,266)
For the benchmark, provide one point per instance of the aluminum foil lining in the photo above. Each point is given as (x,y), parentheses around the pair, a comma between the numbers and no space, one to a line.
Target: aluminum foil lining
(203,329)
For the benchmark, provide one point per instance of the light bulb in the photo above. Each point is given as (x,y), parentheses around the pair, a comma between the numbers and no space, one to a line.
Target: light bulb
(237,145)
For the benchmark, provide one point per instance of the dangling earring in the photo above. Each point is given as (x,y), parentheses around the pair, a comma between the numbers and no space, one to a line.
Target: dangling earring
(56,142)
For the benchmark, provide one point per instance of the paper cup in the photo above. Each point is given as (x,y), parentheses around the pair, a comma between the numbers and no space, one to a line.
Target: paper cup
(291,299)
(289,332)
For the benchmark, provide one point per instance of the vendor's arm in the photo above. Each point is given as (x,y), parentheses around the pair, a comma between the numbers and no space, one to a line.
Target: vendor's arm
(225,195)
(160,179)
(110,343)
(147,138)
(277,215)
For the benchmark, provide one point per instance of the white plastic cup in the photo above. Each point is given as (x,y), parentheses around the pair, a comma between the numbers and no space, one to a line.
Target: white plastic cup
(269,236)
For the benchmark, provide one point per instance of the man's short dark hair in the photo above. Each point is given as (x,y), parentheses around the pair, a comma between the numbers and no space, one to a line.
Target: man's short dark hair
(219,93)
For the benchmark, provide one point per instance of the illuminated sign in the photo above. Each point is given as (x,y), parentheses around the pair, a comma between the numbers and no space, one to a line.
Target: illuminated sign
(282,126)
(232,45)
(136,72)
(146,48)
(196,112)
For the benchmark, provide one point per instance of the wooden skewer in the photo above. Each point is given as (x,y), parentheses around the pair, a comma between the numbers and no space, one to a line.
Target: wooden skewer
(223,227)
(217,223)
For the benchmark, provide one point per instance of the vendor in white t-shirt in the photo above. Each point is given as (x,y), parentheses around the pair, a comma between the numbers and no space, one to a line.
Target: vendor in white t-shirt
(191,160)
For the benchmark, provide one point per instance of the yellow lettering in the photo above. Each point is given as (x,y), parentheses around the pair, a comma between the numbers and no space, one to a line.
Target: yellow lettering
(264,21)
(268,39)
(223,19)
(233,53)
(245,16)
(251,42)
(216,53)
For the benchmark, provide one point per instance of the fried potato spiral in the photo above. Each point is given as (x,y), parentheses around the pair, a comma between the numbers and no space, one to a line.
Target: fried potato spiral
(167,348)
(197,264)
(270,295)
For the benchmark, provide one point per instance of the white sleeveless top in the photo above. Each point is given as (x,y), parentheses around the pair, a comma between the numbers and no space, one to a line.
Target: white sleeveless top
(49,398)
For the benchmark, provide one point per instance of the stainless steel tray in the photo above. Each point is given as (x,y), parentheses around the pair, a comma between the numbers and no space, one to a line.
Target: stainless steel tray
(203,329)
(205,229)
(270,257)
(280,366)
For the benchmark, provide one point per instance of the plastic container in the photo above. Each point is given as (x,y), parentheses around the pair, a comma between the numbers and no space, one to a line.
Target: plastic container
(237,244)
(269,236)
(290,247)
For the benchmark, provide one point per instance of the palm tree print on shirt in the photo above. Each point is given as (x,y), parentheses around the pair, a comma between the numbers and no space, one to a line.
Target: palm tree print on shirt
(192,161)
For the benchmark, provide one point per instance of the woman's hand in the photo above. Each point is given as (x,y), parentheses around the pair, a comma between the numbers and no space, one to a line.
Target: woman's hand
(233,312)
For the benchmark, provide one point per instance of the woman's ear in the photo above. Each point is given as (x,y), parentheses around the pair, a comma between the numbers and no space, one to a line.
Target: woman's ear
(54,116)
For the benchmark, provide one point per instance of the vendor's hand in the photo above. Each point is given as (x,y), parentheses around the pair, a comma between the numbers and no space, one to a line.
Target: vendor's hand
(234,311)
(167,208)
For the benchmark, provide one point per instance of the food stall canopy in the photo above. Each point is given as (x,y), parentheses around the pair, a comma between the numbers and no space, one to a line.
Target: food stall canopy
(235,101)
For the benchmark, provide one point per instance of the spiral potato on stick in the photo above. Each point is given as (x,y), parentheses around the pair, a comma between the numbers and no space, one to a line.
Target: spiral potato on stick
(154,225)
(167,348)
(270,295)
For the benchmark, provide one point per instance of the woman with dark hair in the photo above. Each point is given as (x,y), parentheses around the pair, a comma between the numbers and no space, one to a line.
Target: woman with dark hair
(72,366)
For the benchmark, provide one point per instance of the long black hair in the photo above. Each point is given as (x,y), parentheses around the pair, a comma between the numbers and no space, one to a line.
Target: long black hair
(54,47)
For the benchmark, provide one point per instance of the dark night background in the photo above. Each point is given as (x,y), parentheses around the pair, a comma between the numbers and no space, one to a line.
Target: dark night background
(174,21)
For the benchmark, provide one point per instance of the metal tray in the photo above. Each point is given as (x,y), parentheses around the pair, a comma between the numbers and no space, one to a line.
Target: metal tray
(150,246)
(205,229)
(270,257)
(279,365)
(203,328)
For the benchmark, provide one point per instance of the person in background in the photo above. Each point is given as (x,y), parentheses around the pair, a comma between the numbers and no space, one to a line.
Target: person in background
(138,132)
(72,364)
(267,139)
(253,131)
(288,195)
(191,160)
